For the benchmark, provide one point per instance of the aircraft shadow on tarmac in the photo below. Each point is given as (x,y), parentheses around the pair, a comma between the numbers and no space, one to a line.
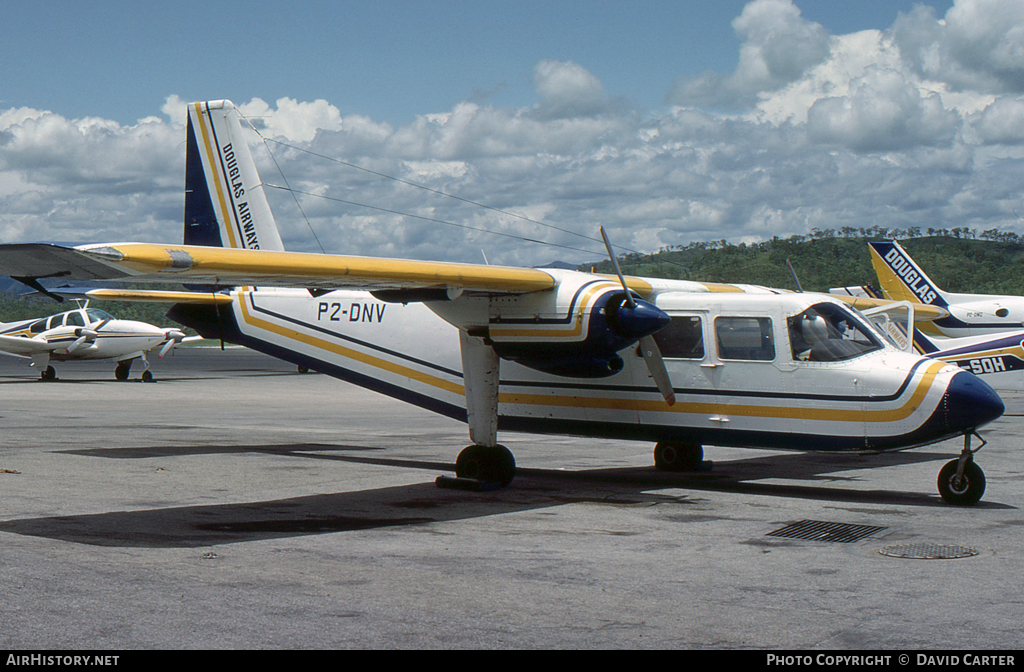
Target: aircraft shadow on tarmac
(424,503)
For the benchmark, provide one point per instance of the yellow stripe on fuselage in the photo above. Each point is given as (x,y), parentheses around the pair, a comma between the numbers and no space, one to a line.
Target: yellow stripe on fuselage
(1014,350)
(554,331)
(748,410)
(349,353)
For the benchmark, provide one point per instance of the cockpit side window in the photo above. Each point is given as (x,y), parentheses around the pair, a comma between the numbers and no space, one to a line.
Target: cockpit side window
(74,319)
(826,332)
(745,338)
(97,315)
(683,338)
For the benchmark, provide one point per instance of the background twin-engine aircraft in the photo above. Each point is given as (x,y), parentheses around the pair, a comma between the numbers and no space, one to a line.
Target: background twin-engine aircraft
(981,333)
(86,333)
(677,363)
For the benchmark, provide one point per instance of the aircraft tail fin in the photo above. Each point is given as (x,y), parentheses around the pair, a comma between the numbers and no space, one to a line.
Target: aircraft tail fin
(901,278)
(225,204)
(923,344)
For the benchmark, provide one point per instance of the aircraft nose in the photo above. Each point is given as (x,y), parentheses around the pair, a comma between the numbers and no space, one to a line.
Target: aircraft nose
(970,403)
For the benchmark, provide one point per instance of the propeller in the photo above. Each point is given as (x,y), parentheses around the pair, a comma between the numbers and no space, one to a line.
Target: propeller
(174,336)
(648,347)
(85,335)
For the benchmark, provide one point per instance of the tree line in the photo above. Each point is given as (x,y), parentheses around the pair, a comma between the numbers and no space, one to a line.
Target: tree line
(958,260)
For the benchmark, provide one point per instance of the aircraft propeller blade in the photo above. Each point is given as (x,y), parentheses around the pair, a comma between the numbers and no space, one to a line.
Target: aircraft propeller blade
(656,365)
(84,336)
(648,347)
(174,336)
(76,344)
(615,264)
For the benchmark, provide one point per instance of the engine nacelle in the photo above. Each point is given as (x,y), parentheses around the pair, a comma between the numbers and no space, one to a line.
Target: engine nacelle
(576,334)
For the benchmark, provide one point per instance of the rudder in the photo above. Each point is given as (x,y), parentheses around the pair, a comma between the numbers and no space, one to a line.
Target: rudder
(902,279)
(225,205)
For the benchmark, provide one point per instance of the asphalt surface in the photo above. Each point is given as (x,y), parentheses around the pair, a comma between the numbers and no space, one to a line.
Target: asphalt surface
(236,503)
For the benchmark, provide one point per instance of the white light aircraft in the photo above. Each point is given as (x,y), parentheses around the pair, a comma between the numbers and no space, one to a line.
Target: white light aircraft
(86,333)
(677,363)
(977,332)
(901,279)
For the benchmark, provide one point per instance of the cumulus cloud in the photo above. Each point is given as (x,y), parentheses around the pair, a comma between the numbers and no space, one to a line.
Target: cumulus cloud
(977,46)
(883,112)
(1002,122)
(779,46)
(568,90)
(900,126)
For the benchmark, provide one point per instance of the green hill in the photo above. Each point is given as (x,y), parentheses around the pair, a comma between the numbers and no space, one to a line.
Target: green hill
(956,264)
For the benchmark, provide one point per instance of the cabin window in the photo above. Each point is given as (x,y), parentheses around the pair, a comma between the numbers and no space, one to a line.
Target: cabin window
(74,320)
(745,338)
(827,332)
(683,338)
(37,327)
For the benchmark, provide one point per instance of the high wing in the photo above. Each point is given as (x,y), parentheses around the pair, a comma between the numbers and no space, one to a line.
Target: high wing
(143,262)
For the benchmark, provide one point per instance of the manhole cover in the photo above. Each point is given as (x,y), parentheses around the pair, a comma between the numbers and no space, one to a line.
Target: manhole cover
(926,551)
(818,530)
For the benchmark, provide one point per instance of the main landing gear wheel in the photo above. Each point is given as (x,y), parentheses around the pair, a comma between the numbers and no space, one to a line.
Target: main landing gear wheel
(678,456)
(961,481)
(122,370)
(49,373)
(489,464)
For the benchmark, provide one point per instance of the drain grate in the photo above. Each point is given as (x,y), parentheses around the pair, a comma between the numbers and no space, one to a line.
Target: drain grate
(928,551)
(817,530)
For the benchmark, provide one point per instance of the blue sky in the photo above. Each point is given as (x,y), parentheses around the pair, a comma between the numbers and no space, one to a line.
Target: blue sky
(388,59)
(664,122)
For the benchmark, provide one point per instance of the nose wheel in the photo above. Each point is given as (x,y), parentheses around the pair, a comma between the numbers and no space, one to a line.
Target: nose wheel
(962,482)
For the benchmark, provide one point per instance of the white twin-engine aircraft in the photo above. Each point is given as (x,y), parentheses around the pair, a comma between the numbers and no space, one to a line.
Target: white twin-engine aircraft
(981,333)
(968,314)
(677,363)
(86,333)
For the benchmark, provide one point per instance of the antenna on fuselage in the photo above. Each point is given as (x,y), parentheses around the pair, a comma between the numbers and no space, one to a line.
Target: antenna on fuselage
(795,279)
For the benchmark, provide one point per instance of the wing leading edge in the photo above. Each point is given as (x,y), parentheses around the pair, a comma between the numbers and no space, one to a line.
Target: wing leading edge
(145,262)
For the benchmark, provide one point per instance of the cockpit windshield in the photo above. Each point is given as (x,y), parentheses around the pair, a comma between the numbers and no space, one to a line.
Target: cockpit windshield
(97,315)
(827,332)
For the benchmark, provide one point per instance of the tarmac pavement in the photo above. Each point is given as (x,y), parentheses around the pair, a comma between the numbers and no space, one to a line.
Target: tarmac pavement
(236,503)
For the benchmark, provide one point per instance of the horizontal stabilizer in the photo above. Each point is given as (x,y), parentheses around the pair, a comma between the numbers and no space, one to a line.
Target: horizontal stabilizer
(139,295)
(45,260)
